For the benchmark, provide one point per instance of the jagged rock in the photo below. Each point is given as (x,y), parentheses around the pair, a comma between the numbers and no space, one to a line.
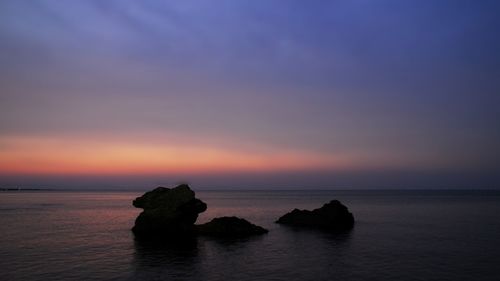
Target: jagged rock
(167,211)
(333,216)
(229,227)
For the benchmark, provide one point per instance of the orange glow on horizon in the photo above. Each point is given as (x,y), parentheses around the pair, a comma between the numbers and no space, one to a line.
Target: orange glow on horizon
(109,157)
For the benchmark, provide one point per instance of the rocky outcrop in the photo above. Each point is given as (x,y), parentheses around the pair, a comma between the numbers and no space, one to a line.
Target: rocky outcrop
(173,212)
(333,216)
(229,227)
(167,211)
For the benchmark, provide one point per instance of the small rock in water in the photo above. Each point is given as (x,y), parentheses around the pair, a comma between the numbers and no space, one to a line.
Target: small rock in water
(333,216)
(229,227)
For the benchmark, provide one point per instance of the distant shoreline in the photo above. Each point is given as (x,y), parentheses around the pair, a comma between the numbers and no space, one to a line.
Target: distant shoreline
(374,191)
(27,189)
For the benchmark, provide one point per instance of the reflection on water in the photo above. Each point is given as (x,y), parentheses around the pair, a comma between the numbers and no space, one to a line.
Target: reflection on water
(397,236)
(280,256)
(161,252)
(165,259)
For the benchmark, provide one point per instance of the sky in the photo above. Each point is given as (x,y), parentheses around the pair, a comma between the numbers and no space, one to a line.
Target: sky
(250,94)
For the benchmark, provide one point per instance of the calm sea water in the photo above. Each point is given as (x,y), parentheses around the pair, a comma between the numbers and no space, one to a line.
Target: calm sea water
(399,235)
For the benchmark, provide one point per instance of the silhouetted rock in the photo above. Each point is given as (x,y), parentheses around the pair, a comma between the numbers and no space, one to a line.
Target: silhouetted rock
(167,211)
(333,216)
(229,227)
(173,212)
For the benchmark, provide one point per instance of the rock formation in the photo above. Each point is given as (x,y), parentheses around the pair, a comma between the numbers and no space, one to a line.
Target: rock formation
(333,216)
(167,211)
(173,212)
(229,227)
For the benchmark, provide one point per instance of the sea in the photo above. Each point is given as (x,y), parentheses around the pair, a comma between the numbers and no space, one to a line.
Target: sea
(398,235)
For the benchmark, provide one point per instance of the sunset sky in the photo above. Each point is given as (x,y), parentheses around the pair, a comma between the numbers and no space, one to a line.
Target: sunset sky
(250,94)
